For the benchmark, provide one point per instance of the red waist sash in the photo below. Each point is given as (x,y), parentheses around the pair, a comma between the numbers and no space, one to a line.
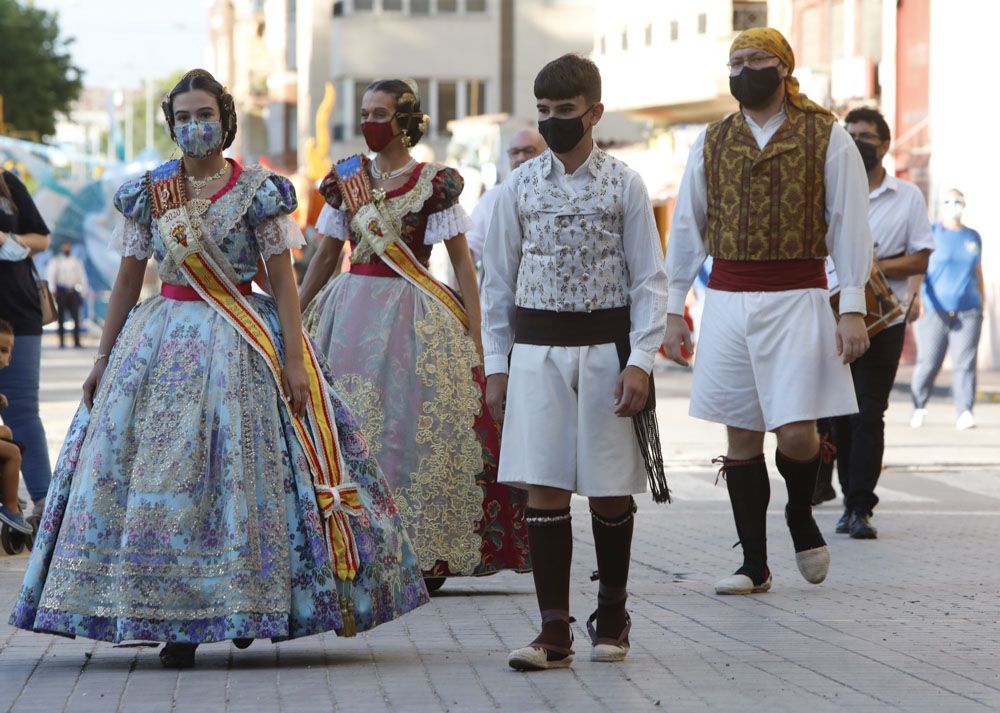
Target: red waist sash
(767,276)
(373,269)
(183,293)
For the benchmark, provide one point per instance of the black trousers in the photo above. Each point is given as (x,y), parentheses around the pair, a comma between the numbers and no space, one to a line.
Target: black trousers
(68,301)
(860,438)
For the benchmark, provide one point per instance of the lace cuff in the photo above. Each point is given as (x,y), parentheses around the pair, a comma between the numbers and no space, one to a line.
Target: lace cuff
(130,238)
(278,234)
(446,224)
(334,223)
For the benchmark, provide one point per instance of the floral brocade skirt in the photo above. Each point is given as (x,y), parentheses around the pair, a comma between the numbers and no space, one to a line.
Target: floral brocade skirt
(412,378)
(182,507)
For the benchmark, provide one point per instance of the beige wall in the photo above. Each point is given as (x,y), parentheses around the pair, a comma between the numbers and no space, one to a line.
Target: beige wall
(544,31)
(691,69)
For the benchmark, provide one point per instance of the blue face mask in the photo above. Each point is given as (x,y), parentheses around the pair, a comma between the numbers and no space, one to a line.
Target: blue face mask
(199,139)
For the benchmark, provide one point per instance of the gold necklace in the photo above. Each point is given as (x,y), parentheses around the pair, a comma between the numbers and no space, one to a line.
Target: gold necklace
(198,184)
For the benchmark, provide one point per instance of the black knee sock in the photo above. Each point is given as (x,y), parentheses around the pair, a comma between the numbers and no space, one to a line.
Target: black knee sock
(749,493)
(800,481)
(550,539)
(613,545)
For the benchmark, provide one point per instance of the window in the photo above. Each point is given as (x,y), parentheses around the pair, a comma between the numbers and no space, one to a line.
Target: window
(837,48)
(338,8)
(364,5)
(359,92)
(812,36)
(392,5)
(447,105)
(649,35)
(447,6)
(702,24)
(675,30)
(475,5)
(420,7)
(625,40)
(871,29)
(749,14)
(475,98)
(291,52)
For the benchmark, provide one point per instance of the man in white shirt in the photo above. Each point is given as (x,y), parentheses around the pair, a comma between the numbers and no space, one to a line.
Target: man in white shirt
(68,279)
(769,192)
(903,244)
(524,146)
(574,302)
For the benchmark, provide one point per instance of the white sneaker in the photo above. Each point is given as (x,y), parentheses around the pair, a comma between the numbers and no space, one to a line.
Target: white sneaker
(965,421)
(917,419)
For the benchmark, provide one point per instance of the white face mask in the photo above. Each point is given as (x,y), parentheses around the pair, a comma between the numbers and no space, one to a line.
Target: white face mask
(951,209)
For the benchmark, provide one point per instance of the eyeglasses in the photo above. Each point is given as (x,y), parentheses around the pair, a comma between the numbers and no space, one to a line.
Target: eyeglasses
(757,61)
(867,137)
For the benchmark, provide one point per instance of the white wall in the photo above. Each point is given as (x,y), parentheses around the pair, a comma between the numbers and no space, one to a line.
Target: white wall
(964,106)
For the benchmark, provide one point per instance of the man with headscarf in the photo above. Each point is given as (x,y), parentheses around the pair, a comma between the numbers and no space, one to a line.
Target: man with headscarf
(769,192)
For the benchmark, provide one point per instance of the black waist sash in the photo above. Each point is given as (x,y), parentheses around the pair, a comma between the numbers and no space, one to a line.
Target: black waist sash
(604,326)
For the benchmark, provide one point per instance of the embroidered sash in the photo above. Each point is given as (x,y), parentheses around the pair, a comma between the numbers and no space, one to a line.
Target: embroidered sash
(373,224)
(337,498)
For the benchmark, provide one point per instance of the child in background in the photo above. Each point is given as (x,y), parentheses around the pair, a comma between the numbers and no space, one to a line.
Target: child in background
(10,450)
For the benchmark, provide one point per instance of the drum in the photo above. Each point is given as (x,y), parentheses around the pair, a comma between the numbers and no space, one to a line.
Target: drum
(883,307)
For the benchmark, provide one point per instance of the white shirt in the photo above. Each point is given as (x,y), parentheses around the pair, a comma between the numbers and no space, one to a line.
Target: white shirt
(848,237)
(647,286)
(67,271)
(481,216)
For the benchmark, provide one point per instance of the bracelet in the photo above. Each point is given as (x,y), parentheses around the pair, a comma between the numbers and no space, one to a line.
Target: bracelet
(99,357)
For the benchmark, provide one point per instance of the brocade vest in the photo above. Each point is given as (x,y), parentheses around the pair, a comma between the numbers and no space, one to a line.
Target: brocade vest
(770,203)
(572,255)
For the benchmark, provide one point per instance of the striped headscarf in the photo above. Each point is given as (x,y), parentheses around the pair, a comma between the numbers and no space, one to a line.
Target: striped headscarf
(768,39)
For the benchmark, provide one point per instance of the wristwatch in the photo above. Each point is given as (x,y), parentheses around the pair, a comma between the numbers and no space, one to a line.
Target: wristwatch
(99,357)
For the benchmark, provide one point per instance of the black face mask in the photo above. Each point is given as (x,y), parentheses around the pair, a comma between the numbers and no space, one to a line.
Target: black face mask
(868,154)
(563,134)
(753,88)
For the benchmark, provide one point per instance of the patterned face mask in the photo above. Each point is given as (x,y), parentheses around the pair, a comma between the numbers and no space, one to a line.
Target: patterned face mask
(199,139)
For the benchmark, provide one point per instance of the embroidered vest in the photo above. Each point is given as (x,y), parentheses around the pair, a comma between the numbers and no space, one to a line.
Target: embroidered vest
(572,255)
(767,204)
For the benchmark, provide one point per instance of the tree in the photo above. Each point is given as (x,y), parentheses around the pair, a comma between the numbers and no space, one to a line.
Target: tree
(37,77)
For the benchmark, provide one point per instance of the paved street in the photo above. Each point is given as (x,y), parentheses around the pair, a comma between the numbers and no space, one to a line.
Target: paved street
(908,622)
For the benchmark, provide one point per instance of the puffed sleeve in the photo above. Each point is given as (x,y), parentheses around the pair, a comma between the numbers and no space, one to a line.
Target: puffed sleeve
(332,220)
(270,216)
(133,235)
(446,218)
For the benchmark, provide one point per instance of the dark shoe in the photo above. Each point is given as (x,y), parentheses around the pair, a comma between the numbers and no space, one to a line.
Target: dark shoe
(824,493)
(177,655)
(861,527)
(433,583)
(844,523)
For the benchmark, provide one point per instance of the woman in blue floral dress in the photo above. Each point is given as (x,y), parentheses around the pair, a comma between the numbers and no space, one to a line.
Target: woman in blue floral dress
(183,508)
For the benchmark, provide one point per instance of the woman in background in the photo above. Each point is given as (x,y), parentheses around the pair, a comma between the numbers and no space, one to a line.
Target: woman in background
(952,299)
